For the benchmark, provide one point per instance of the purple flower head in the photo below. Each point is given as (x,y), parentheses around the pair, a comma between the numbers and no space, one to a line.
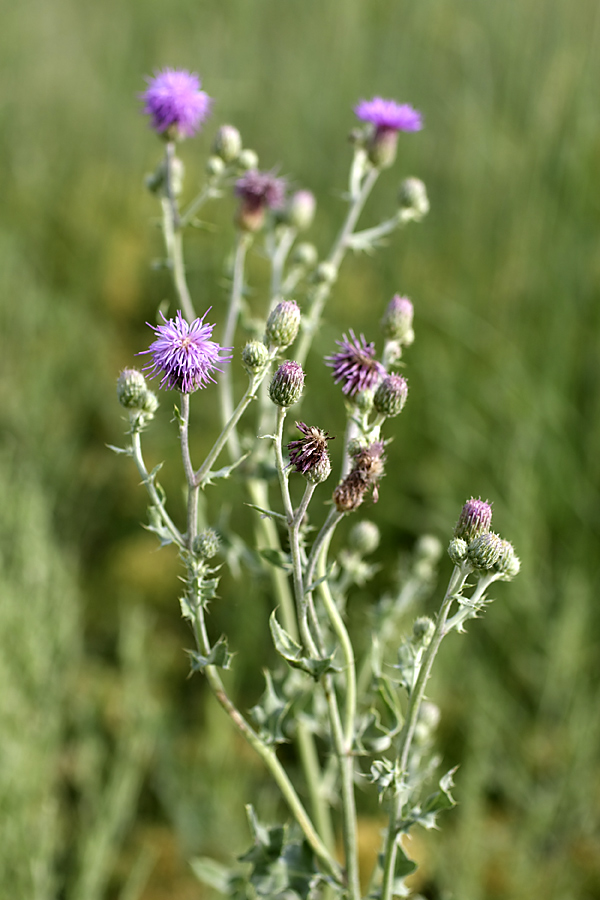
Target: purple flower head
(261,189)
(475,519)
(309,452)
(355,365)
(258,191)
(389,115)
(174,100)
(184,354)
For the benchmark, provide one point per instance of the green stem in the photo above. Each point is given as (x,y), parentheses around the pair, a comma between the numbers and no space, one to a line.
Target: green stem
(457,580)
(148,481)
(203,473)
(192,510)
(173,238)
(264,751)
(311,321)
(235,301)
(309,759)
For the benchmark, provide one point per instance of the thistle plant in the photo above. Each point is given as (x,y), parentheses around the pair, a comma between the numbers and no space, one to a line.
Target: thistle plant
(364,719)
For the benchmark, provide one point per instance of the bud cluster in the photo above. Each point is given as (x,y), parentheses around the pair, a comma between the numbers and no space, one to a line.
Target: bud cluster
(475,543)
(133,395)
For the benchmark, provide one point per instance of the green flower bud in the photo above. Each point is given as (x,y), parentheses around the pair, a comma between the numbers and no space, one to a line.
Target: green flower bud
(131,387)
(390,396)
(300,210)
(149,403)
(287,384)
(214,166)
(255,357)
(326,273)
(509,563)
(396,324)
(412,199)
(283,324)
(485,550)
(429,548)
(457,551)
(363,401)
(228,144)
(364,538)
(305,255)
(423,629)
(207,544)
(248,159)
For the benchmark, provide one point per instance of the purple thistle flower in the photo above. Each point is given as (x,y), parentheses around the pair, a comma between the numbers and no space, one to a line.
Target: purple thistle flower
(261,189)
(184,353)
(174,100)
(475,519)
(258,191)
(309,452)
(355,365)
(389,115)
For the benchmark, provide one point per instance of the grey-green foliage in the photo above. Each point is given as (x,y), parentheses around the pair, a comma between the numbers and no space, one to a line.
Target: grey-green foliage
(39,648)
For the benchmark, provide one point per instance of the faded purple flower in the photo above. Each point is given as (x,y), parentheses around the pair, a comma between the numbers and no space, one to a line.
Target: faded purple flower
(355,365)
(174,100)
(389,115)
(310,451)
(258,191)
(364,475)
(184,353)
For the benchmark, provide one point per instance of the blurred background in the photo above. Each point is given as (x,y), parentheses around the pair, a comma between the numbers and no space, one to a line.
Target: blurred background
(115,768)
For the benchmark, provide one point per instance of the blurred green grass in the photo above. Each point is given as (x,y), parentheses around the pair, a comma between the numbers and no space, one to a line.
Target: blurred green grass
(504,374)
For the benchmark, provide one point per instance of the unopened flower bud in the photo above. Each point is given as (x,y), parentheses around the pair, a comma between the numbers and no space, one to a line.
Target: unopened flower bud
(287,384)
(207,544)
(412,199)
(305,255)
(214,166)
(149,403)
(248,159)
(390,396)
(475,518)
(457,551)
(364,537)
(509,563)
(300,210)
(363,401)
(326,273)
(429,548)
(255,356)
(397,320)
(283,324)
(423,628)
(228,144)
(485,550)
(427,721)
(131,387)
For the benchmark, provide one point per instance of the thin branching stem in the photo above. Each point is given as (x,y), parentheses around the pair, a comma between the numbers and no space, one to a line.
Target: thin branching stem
(457,580)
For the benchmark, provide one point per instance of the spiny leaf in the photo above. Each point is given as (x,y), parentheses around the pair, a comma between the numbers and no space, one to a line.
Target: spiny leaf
(291,651)
(218,656)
